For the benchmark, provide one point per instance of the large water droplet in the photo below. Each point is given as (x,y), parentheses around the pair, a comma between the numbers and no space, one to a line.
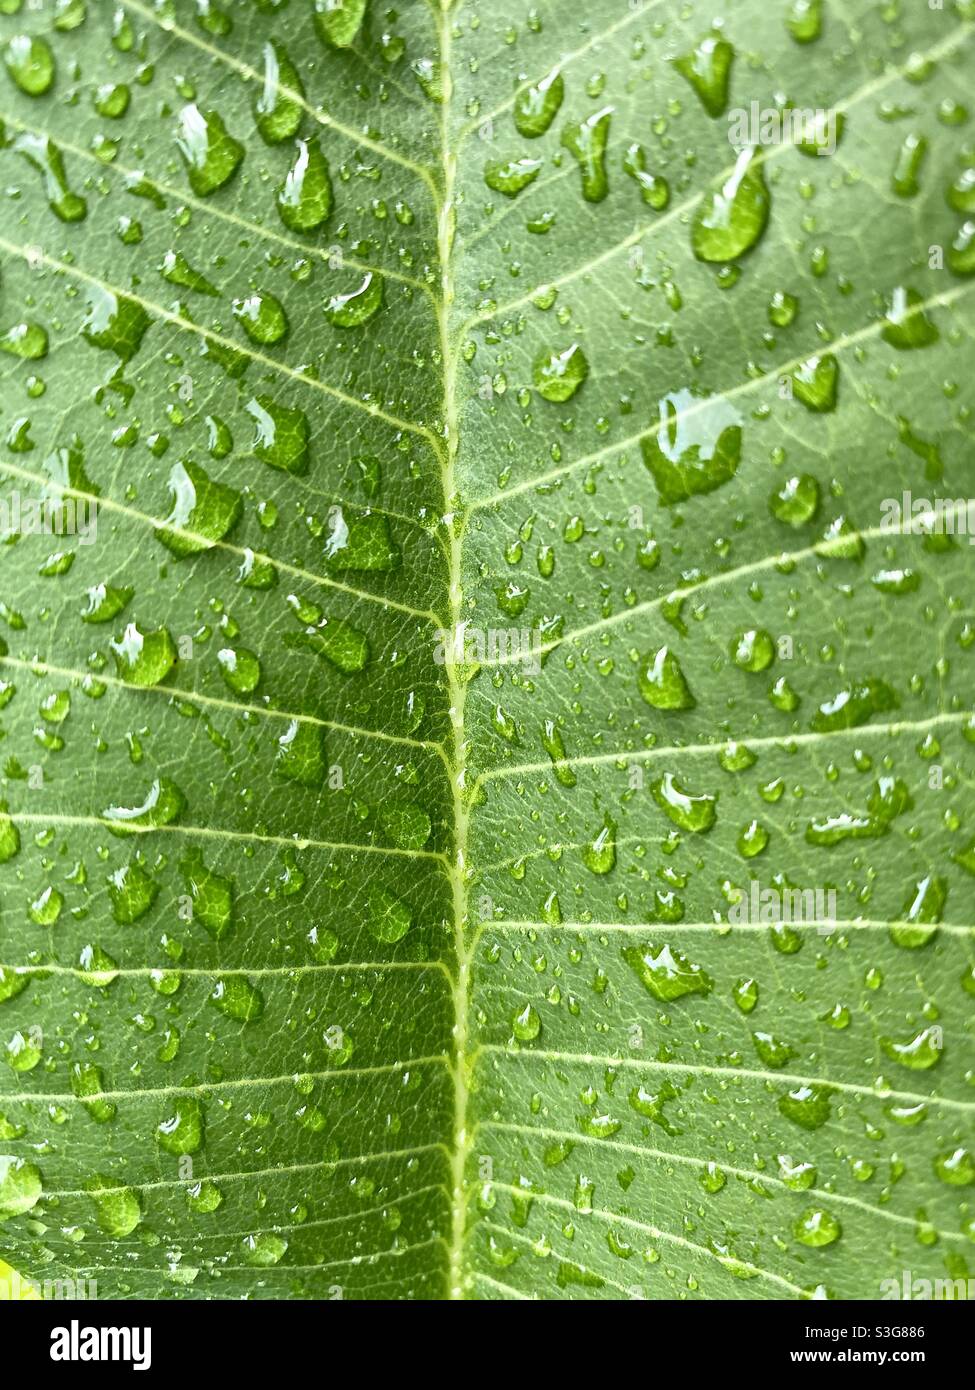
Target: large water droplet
(731,218)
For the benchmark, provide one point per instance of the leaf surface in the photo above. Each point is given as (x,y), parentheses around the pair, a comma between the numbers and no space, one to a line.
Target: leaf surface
(487,798)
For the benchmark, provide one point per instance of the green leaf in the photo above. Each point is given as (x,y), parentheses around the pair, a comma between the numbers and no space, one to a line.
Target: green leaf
(487,792)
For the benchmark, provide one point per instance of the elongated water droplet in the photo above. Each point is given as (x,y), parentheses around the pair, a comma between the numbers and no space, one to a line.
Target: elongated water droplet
(512,175)
(281,434)
(44,156)
(537,105)
(305,198)
(277,110)
(210,152)
(654,189)
(731,218)
(666,972)
(599,855)
(708,70)
(587,142)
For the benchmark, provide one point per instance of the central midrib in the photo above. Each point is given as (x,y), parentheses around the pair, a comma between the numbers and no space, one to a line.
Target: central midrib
(456,688)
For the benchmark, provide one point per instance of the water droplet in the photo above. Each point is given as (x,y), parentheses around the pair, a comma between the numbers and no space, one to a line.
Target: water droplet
(599,855)
(708,69)
(211,897)
(87,1083)
(816,1228)
(745,994)
(921,913)
(105,602)
(240,668)
(143,658)
(662,682)
(537,105)
(654,189)
(281,435)
(210,152)
(208,510)
(814,382)
(919,1053)
(796,501)
(587,142)
(338,21)
(30,62)
(277,111)
(406,824)
(27,341)
(782,308)
(731,218)
(806,1106)
(265,1249)
(771,1050)
(805,20)
(114,322)
(20,1186)
(111,100)
(559,375)
(906,325)
(360,541)
(236,997)
(752,650)
(356,308)
(44,156)
(956,1168)
(305,198)
(691,811)
(203,1196)
(854,705)
(511,176)
(131,892)
(181,1132)
(262,318)
(526,1025)
(389,917)
(961,253)
(119,1210)
(176,270)
(695,448)
(907,168)
(666,972)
